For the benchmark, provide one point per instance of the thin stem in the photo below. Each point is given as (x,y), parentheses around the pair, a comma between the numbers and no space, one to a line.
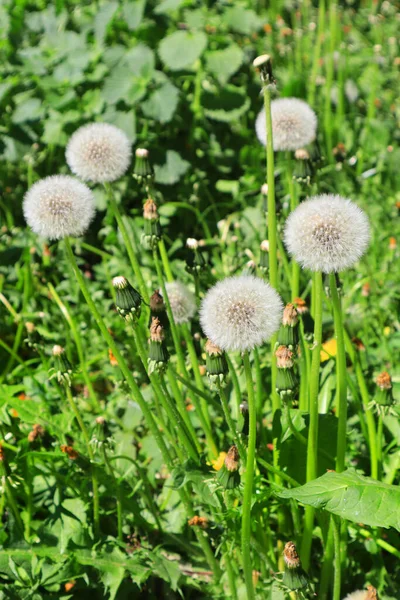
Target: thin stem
(312,447)
(128,243)
(379,435)
(95,483)
(230,423)
(10,496)
(182,407)
(341,379)
(336,559)
(118,492)
(248,486)
(195,366)
(294,201)
(165,261)
(236,385)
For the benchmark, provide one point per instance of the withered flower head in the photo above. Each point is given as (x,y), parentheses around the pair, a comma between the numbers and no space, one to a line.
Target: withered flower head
(290,556)
(232,459)
(156,330)
(290,315)
(284,357)
(384,381)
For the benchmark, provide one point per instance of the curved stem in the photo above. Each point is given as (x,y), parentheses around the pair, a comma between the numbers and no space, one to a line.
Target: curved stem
(312,446)
(248,486)
(341,380)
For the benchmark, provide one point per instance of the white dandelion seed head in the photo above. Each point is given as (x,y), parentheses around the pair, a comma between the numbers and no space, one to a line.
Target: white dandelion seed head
(294,124)
(182,301)
(99,152)
(192,243)
(327,233)
(57,206)
(240,313)
(357,595)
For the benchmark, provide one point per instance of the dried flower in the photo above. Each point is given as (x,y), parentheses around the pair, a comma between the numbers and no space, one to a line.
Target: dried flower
(58,206)
(37,432)
(294,577)
(284,357)
(240,313)
(182,301)
(383,400)
(229,476)
(196,521)
(327,233)
(369,594)
(158,353)
(152,228)
(99,152)
(294,124)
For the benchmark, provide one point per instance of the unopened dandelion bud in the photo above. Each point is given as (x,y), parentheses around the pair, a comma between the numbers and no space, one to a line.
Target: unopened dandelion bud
(217,367)
(383,400)
(142,170)
(101,434)
(250,268)
(244,411)
(128,300)
(33,336)
(195,260)
(229,476)
(263,64)
(339,152)
(158,353)
(286,384)
(152,228)
(284,357)
(264,256)
(62,367)
(294,577)
(288,334)
(303,169)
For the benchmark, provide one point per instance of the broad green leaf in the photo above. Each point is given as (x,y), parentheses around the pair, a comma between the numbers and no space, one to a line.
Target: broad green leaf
(103,18)
(162,103)
(167,6)
(351,496)
(224,63)
(225,105)
(112,574)
(242,20)
(172,170)
(181,49)
(132,11)
(30,110)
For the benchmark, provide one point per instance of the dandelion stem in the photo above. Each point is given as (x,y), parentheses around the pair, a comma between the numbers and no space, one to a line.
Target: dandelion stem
(182,407)
(165,261)
(118,492)
(336,560)
(340,375)
(294,202)
(95,483)
(249,476)
(195,366)
(312,446)
(128,244)
(230,423)
(10,496)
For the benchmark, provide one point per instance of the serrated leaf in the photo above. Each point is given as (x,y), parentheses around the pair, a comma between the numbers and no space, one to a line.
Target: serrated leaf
(224,63)
(225,105)
(162,103)
(133,12)
(351,496)
(103,18)
(181,49)
(172,170)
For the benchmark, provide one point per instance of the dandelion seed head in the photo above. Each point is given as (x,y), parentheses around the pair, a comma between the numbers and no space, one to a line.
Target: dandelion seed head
(57,206)
(182,301)
(294,124)
(240,313)
(327,233)
(99,152)
(357,595)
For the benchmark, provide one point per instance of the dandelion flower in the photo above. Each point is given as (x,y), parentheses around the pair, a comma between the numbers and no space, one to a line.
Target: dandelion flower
(98,152)
(327,233)
(294,124)
(182,301)
(240,313)
(58,206)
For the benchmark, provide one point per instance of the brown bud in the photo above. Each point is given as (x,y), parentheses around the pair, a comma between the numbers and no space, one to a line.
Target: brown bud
(284,357)
(301,306)
(69,451)
(290,315)
(212,349)
(157,302)
(290,556)
(198,522)
(37,432)
(366,290)
(232,459)
(156,330)
(100,420)
(384,381)
(150,211)
(372,593)
(30,327)
(301,154)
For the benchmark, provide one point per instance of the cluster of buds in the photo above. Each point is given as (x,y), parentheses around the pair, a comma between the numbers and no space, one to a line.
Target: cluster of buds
(288,339)
(294,576)
(142,170)
(264,257)
(62,369)
(152,228)
(216,365)
(128,301)
(158,353)
(228,476)
(195,261)
(383,401)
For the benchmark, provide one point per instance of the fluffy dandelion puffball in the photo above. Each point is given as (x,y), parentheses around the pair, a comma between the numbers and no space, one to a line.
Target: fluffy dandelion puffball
(357,595)
(240,313)
(99,152)
(327,233)
(182,301)
(294,124)
(58,206)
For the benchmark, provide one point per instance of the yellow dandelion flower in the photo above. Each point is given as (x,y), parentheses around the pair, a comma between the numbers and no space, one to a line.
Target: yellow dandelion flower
(218,462)
(329,349)
(386,331)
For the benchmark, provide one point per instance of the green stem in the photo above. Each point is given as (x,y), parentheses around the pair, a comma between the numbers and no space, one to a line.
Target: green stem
(317,51)
(95,483)
(248,486)
(236,385)
(180,403)
(379,435)
(336,560)
(9,494)
(128,243)
(195,366)
(341,379)
(165,261)
(230,423)
(312,447)
(326,572)
(118,492)
(294,202)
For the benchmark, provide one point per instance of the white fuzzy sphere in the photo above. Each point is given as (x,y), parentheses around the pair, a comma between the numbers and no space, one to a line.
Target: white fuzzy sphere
(294,124)
(327,233)
(58,206)
(99,152)
(357,595)
(182,301)
(240,313)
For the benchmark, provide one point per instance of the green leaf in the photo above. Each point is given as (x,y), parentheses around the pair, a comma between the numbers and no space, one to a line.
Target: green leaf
(132,11)
(30,110)
(113,573)
(103,18)
(167,6)
(351,496)
(124,120)
(225,105)
(181,49)
(242,20)
(172,170)
(128,80)
(224,63)
(162,103)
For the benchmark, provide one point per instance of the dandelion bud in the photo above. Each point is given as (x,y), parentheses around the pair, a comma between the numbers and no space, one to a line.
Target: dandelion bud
(383,400)
(37,433)
(195,261)
(284,357)
(366,290)
(289,331)
(294,577)
(303,170)
(101,434)
(128,300)
(339,152)
(63,368)
(69,451)
(152,228)
(143,171)
(196,521)
(263,64)
(244,411)
(33,335)
(182,301)
(286,384)
(250,268)
(264,189)
(158,353)
(294,124)
(264,256)
(229,476)
(217,367)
